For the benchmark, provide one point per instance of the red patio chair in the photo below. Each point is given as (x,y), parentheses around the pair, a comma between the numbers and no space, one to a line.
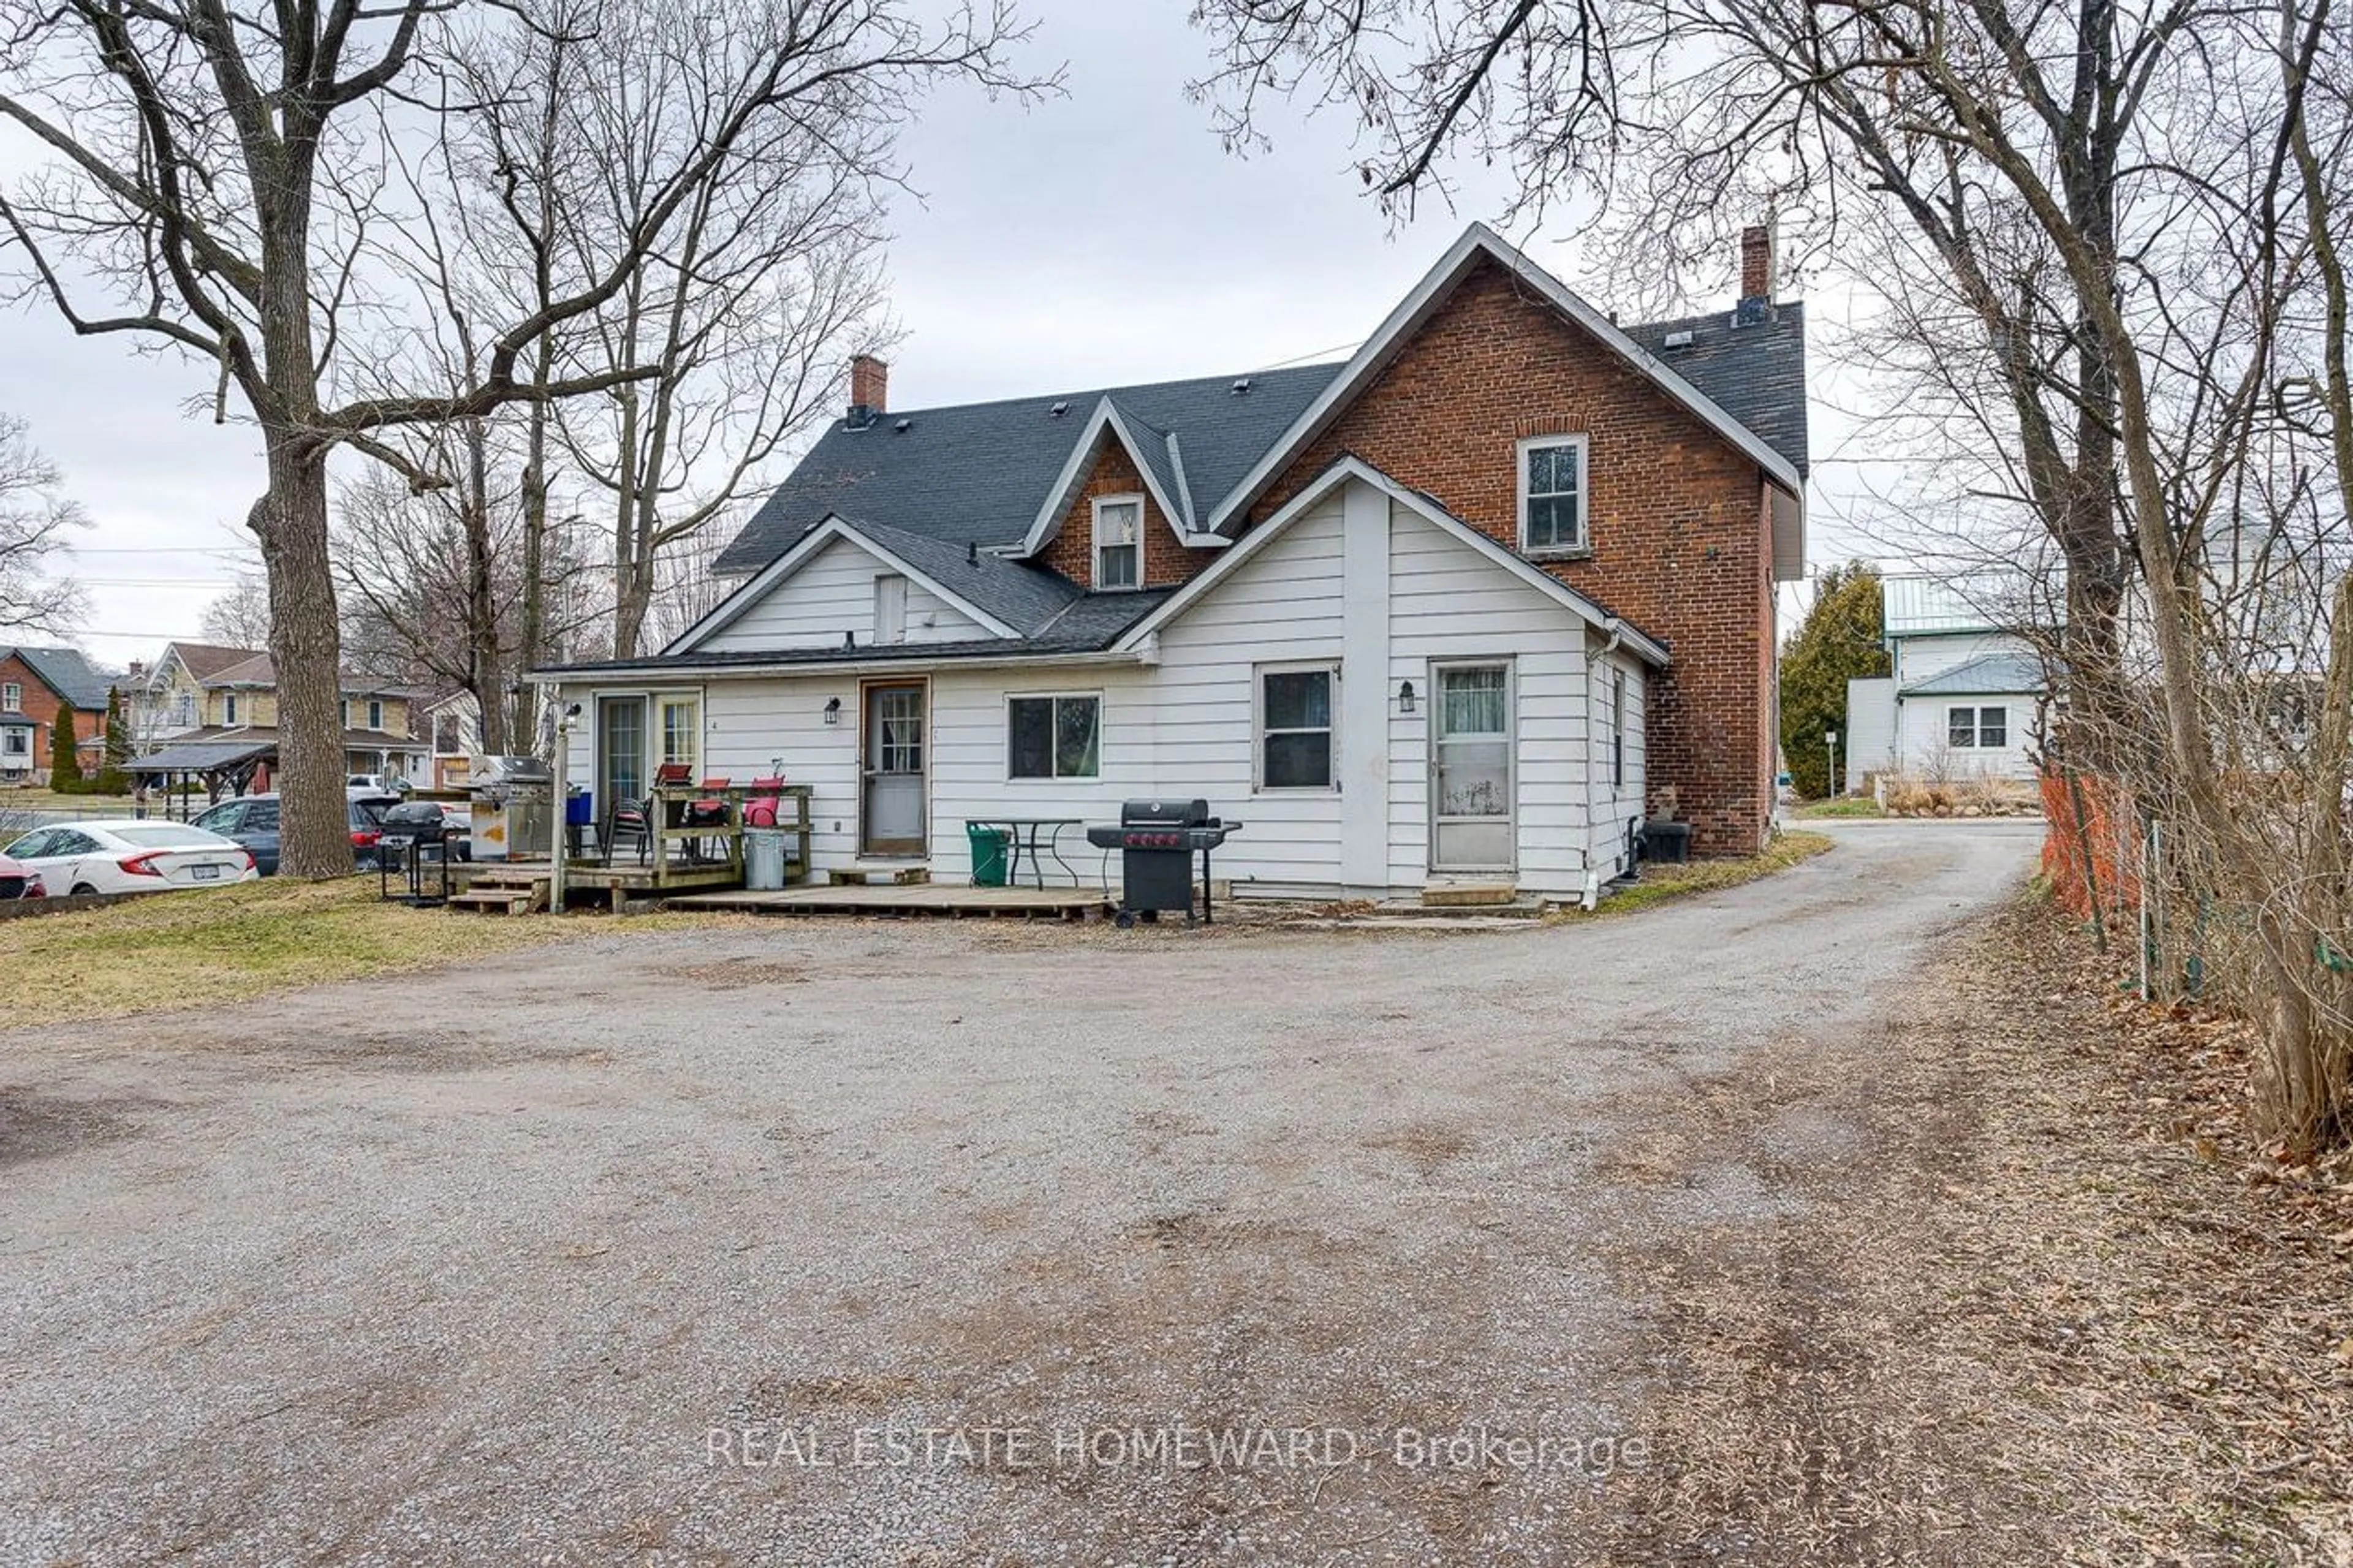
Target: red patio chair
(761,810)
(712,811)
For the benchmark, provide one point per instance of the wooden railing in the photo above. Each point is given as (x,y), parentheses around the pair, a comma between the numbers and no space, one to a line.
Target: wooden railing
(709,845)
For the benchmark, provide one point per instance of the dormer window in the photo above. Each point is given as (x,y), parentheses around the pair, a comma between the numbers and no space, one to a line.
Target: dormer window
(1552,495)
(1119,541)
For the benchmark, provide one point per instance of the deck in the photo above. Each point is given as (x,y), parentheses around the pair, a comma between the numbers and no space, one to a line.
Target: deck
(912,898)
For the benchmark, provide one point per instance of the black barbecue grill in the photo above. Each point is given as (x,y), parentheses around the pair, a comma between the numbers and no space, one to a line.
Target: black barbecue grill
(409,835)
(1157,840)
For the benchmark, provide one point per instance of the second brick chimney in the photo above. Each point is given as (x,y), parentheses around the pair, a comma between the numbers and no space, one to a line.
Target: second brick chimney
(870,390)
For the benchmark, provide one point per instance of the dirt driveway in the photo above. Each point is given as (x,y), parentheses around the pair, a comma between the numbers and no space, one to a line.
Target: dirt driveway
(931,1242)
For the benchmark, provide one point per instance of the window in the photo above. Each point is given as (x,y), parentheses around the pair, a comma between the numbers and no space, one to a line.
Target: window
(228,708)
(375,714)
(1295,727)
(681,732)
(1053,737)
(1617,729)
(889,610)
(1119,541)
(1977,727)
(1552,493)
(15,742)
(183,708)
(12,697)
(347,712)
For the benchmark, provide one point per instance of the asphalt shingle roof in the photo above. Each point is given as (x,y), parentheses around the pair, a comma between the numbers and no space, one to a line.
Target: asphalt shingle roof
(70,675)
(1023,597)
(978,473)
(1755,370)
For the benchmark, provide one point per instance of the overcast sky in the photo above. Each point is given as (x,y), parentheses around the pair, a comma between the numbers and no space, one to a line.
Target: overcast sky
(1102,236)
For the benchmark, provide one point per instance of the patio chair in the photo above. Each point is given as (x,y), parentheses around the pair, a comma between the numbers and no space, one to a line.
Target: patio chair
(710,812)
(630,820)
(761,810)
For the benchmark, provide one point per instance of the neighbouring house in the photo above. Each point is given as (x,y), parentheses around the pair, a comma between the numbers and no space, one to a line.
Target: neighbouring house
(35,682)
(1469,605)
(452,723)
(1964,697)
(211,713)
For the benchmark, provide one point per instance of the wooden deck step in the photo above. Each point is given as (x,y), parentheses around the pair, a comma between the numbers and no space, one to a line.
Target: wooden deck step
(1467,895)
(503,901)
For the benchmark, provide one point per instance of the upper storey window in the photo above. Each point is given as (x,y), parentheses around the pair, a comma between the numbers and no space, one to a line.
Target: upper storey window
(1552,494)
(1119,541)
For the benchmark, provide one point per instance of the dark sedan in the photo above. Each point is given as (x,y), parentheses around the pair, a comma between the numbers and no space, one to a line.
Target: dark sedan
(252,821)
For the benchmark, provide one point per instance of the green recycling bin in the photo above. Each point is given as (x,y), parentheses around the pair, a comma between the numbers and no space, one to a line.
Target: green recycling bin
(989,846)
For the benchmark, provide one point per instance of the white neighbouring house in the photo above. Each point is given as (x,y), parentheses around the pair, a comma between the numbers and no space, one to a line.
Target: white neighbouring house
(1964,697)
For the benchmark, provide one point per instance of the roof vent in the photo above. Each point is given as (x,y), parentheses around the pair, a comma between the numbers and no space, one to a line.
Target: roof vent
(1673,340)
(903,426)
(1058,411)
(972,553)
(1241,386)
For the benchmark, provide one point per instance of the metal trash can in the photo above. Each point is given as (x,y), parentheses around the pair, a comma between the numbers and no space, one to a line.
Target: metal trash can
(764,859)
(987,853)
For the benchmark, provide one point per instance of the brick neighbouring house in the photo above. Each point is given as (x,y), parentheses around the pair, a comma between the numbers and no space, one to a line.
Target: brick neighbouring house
(35,682)
(1290,591)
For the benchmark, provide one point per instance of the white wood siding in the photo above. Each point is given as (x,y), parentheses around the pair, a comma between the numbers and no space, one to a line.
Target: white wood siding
(1374,589)
(831,594)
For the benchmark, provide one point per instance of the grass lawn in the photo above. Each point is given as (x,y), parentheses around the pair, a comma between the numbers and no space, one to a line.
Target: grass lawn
(177,950)
(1659,883)
(1856,806)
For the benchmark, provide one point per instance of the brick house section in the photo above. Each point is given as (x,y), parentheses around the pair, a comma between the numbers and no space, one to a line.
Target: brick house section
(1071,551)
(40,704)
(1678,520)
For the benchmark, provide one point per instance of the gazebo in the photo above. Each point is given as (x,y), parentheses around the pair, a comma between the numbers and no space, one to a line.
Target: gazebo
(223,767)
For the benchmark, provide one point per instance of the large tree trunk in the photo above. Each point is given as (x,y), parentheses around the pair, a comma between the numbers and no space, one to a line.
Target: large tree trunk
(486,669)
(306,645)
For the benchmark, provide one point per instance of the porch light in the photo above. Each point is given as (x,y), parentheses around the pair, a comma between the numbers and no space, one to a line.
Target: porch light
(833,709)
(1405,696)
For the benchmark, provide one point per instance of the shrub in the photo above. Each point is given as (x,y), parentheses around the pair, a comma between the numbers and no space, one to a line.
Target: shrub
(65,759)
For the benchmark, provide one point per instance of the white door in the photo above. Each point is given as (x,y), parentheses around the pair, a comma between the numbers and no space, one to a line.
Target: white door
(1470,826)
(894,818)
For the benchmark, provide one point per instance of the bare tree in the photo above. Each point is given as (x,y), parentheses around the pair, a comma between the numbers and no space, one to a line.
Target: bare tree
(35,521)
(216,171)
(2110,224)
(240,616)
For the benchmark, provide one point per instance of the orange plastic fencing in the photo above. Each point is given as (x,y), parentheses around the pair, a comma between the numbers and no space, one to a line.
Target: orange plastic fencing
(2107,840)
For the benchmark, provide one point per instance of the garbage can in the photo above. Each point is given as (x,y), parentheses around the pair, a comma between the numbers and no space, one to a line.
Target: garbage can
(987,853)
(764,858)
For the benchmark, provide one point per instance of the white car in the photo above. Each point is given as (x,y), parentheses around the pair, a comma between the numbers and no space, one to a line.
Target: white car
(131,855)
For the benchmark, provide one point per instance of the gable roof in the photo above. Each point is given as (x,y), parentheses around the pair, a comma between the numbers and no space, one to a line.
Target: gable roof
(1754,371)
(1348,466)
(1480,245)
(204,660)
(977,473)
(68,672)
(1987,675)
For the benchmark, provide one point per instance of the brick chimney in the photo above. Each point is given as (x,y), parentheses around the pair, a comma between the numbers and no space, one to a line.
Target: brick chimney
(870,390)
(1756,263)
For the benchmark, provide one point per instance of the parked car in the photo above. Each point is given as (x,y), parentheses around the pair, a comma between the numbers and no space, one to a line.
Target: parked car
(19,880)
(252,821)
(129,854)
(377,784)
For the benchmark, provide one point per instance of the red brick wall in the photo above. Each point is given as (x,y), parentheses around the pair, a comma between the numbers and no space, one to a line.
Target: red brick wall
(1677,517)
(1071,551)
(40,704)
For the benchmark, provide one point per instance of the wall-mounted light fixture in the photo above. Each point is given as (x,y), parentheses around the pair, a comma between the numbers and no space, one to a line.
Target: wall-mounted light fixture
(1405,696)
(833,709)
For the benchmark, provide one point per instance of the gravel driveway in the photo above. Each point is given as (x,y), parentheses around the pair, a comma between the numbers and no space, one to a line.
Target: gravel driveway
(803,1242)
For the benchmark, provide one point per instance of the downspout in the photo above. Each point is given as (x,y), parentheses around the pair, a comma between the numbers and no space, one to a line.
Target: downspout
(1592,899)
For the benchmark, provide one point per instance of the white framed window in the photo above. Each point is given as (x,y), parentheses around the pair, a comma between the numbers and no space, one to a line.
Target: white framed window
(1553,494)
(15,742)
(1119,541)
(347,712)
(12,697)
(889,610)
(229,707)
(375,714)
(1054,736)
(1976,728)
(183,708)
(1295,733)
(680,728)
(1617,729)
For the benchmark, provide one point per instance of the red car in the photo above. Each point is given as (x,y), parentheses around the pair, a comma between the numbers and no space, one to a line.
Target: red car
(19,880)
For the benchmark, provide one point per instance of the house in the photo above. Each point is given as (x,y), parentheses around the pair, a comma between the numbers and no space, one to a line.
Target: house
(1469,605)
(213,711)
(35,682)
(1964,698)
(452,723)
